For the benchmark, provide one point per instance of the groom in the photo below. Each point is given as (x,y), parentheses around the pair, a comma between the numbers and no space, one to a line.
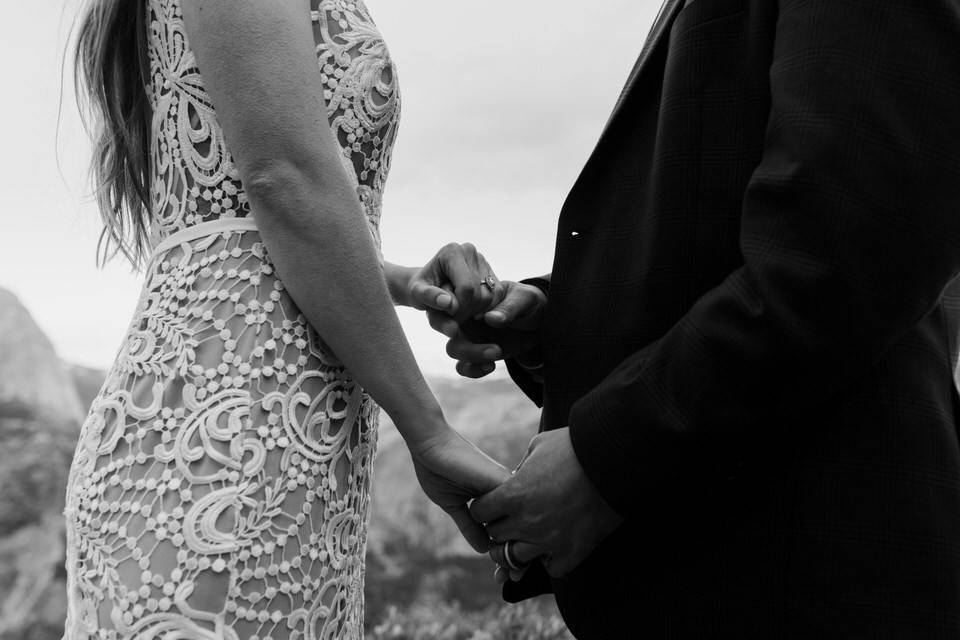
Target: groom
(745,350)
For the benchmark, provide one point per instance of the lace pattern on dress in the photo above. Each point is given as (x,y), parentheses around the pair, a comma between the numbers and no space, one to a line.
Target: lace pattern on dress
(220,487)
(195,179)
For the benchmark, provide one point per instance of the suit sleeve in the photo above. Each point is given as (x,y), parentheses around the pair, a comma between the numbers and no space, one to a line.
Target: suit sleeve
(528,380)
(850,231)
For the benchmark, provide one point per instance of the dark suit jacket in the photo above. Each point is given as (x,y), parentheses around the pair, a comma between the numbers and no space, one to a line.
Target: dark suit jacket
(751,329)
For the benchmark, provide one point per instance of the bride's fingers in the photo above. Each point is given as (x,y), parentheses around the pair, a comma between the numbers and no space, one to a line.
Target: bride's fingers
(472,294)
(495,287)
(507,527)
(425,295)
(474,370)
(472,531)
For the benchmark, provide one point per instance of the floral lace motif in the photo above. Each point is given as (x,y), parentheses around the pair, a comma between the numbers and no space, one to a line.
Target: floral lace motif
(220,487)
(195,177)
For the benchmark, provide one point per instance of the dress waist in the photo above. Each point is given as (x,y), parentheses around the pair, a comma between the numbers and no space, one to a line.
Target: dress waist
(211,227)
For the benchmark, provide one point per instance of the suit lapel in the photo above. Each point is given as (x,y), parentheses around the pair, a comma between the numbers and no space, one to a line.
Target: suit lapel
(661,26)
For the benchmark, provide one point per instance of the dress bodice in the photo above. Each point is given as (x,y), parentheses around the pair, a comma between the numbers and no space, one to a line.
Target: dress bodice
(194,177)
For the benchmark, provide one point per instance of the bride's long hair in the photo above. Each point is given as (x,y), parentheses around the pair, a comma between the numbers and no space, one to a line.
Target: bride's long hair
(112,71)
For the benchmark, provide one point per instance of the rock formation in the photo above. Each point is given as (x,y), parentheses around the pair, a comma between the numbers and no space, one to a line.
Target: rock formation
(31,374)
(40,413)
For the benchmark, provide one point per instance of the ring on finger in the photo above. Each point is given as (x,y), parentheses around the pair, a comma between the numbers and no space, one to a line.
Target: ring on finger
(508,557)
(490,282)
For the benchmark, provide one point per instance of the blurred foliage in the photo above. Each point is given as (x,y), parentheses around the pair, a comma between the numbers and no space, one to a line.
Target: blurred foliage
(532,620)
(413,594)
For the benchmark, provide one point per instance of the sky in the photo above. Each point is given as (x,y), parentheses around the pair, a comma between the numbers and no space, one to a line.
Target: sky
(500,112)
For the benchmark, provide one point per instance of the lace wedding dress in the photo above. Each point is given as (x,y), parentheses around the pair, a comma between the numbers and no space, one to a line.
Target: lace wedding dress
(220,487)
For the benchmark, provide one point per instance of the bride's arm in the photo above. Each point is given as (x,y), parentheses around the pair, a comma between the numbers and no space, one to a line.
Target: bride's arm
(259,66)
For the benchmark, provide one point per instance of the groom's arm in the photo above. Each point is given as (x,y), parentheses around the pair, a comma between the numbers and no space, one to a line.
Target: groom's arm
(850,232)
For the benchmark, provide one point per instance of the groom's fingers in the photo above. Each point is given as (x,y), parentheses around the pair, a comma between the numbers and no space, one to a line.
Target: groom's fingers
(502,574)
(472,531)
(443,323)
(504,529)
(517,576)
(522,553)
(492,507)
(460,348)
(475,370)
(518,309)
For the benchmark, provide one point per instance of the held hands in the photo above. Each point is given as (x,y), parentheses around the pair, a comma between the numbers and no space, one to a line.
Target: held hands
(485,319)
(452,471)
(458,282)
(548,509)
(507,330)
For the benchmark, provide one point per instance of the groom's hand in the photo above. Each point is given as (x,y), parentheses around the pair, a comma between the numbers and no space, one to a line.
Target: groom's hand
(455,283)
(508,330)
(547,509)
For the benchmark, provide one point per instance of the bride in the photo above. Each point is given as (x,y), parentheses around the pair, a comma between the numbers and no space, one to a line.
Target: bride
(220,487)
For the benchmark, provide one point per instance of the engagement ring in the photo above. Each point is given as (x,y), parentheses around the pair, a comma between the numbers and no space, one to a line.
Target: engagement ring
(489,282)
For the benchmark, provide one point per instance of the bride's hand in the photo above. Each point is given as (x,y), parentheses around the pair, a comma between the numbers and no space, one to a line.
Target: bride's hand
(452,471)
(457,282)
